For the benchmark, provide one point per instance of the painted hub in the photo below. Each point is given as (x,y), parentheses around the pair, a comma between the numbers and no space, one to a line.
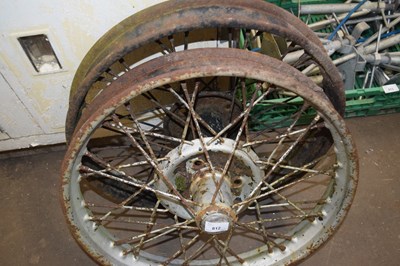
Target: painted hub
(217,217)
(193,178)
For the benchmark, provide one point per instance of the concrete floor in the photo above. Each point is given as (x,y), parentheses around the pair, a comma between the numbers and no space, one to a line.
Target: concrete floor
(33,230)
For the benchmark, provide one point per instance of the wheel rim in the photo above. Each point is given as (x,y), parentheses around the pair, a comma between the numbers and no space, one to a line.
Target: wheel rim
(103,65)
(314,218)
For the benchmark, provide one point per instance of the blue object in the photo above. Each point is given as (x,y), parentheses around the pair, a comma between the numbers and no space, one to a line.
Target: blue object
(383,36)
(345,19)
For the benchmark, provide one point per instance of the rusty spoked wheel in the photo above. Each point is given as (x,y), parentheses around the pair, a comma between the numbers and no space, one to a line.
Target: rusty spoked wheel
(183,25)
(204,188)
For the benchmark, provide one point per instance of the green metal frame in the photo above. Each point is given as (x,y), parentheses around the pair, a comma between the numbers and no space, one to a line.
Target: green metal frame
(359,101)
(275,113)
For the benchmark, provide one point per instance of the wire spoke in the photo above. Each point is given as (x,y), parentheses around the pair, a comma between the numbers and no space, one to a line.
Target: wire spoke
(124,64)
(244,104)
(237,119)
(267,236)
(152,159)
(286,153)
(262,227)
(190,104)
(277,138)
(171,42)
(126,201)
(185,130)
(225,247)
(182,250)
(165,49)
(236,144)
(148,229)
(272,191)
(247,39)
(233,89)
(229,250)
(180,237)
(130,130)
(306,167)
(154,100)
(157,232)
(287,204)
(207,85)
(298,169)
(285,218)
(186,45)
(108,167)
(289,130)
(285,198)
(199,250)
(123,206)
(140,163)
(230,38)
(222,256)
(195,116)
(135,184)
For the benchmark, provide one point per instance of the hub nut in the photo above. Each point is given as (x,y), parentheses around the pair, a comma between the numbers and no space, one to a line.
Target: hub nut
(215,219)
(212,217)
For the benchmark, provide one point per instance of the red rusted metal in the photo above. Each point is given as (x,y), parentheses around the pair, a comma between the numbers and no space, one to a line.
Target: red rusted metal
(171,17)
(208,62)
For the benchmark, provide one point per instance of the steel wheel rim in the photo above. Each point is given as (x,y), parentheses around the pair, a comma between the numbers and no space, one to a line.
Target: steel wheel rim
(99,59)
(344,151)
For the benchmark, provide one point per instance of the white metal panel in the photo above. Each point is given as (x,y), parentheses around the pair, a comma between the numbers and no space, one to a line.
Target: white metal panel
(15,120)
(72,27)
(4,136)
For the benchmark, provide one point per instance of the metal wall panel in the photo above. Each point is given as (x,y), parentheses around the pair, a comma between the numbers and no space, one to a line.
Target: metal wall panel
(34,105)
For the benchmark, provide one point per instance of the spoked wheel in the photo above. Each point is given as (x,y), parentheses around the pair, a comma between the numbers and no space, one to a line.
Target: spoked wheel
(183,25)
(205,188)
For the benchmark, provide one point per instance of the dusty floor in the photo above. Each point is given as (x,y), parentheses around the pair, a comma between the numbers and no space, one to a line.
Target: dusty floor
(33,231)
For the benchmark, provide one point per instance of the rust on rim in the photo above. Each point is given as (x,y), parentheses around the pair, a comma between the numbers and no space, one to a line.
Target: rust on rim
(179,66)
(171,17)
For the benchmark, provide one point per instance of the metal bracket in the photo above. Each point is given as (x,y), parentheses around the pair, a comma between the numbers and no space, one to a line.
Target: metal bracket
(351,67)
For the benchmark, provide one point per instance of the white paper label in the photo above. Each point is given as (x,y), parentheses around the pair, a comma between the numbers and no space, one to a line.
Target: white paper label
(216,227)
(390,88)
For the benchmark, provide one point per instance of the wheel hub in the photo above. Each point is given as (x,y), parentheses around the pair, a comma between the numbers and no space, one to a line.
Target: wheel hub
(192,176)
(212,217)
